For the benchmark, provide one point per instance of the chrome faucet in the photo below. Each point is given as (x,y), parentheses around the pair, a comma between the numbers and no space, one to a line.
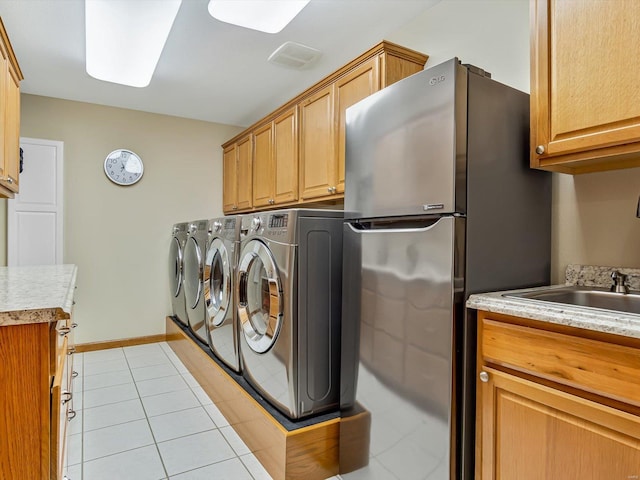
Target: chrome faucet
(619,280)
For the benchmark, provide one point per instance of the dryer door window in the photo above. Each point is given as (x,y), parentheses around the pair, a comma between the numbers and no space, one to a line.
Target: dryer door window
(217,286)
(259,297)
(192,273)
(175,267)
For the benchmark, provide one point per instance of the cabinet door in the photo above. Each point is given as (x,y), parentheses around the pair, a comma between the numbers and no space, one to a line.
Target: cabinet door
(12,131)
(350,89)
(4,77)
(285,156)
(229,179)
(60,398)
(584,84)
(317,145)
(532,432)
(263,174)
(245,176)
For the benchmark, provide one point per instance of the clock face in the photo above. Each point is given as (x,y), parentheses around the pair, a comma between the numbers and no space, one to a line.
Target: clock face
(123,167)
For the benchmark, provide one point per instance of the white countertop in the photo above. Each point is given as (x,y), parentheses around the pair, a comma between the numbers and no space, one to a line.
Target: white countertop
(36,294)
(607,321)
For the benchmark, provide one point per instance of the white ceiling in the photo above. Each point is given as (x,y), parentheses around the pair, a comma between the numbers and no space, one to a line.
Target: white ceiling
(208,70)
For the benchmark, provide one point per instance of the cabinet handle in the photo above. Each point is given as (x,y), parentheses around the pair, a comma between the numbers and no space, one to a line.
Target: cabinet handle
(71,350)
(67,397)
(71,414)
(235,207)
(74,374)
(540,149)
(74,325)
(64,331)
(484,377)
(9,180)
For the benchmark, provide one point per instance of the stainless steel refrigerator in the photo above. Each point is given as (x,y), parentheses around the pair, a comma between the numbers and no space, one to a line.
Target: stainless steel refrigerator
(440,203)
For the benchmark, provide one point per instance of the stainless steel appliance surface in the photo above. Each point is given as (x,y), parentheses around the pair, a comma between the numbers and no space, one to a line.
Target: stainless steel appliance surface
(440,203)
(219,289)
(176,271)
(194,260)
(289,306)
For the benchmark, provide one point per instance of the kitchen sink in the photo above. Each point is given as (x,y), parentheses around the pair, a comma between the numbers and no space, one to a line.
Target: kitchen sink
(585,297)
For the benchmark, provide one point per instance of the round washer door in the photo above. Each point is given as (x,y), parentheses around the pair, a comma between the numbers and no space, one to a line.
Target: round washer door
(192,273)
(175,267)
(259,296)
(217,281)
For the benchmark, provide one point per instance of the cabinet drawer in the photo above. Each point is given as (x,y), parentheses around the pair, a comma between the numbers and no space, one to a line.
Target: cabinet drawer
(598,367)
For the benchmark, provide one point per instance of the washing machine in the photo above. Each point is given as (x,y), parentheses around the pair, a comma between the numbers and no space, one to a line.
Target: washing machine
(194,257)
(219,289)
(289,308)
(176,271)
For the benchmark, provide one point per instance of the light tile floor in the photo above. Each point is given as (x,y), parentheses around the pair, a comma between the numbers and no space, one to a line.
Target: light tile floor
(142,416)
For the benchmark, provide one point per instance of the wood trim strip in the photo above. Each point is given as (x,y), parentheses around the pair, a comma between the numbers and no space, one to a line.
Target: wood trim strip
(309,453)
(125,342)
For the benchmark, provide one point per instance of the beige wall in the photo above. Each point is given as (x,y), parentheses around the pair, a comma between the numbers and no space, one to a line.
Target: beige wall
(593,215)
(119,236)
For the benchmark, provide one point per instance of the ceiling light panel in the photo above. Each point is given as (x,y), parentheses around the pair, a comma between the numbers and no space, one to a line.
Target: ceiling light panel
(269,16)
(125,38)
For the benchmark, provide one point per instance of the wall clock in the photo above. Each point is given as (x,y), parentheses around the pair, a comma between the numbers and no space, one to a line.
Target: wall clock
(123,167)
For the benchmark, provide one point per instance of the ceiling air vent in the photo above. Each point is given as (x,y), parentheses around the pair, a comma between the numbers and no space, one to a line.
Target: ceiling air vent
(294,55)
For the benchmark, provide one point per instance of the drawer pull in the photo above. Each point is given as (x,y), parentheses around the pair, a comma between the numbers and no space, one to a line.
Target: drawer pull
(74,325)
(71,414)
(484,377)
(65,397)
(71,350)
(64,331)
(74,374)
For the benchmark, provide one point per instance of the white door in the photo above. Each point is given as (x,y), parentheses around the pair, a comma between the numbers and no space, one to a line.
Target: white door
(34,216)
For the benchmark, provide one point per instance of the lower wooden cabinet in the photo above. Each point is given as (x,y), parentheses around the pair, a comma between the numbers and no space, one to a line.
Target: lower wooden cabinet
(533,432)
(36,375)
(554,405)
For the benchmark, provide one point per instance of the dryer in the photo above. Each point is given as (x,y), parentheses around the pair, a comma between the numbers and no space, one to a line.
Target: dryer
(219,289)
(289,308)
(194,256)
(176,271)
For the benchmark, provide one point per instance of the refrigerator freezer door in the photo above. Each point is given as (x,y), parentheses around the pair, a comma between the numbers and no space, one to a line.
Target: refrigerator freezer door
(398,313)
(406,147)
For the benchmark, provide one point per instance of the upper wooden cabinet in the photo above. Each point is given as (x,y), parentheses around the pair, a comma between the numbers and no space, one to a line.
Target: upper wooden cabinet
(236,176)
(298,150)
(275,161)
(555,402)
(318,172)
(10,77)
(585,105)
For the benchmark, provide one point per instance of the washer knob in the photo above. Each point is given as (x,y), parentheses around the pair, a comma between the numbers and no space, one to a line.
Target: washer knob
(255,224)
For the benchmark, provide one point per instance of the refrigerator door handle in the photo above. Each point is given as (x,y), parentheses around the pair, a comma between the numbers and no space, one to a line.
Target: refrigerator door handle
(422,225)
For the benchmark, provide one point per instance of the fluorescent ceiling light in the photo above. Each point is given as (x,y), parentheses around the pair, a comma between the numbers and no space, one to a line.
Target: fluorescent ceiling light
(125,38)
(269,16)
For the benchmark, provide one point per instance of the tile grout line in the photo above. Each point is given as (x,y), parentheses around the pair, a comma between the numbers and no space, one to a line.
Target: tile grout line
(155,443)
(181,371)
